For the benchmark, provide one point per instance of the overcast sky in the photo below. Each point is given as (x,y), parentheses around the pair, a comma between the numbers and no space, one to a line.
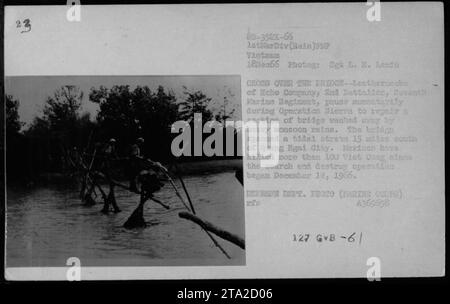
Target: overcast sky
(32,91)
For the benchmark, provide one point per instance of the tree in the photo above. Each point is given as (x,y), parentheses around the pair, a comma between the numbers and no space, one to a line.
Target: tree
(62,109)
(13,123)
(14,139)
(226,108)
(195,102)
(58,130)
(127,114)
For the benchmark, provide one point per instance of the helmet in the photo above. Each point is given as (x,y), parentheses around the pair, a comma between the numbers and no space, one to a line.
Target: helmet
(140,140)
(112,140)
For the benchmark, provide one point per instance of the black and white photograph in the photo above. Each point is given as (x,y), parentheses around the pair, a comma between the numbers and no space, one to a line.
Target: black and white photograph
(268,141)
(96,171)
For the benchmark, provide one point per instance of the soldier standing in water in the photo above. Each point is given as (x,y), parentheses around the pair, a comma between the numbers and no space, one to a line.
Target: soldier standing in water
(135,154)
(109,153)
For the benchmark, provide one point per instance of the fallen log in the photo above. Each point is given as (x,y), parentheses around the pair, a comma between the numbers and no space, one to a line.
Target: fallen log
(238,241)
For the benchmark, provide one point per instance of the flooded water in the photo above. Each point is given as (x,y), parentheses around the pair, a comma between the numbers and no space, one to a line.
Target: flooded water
(47,225)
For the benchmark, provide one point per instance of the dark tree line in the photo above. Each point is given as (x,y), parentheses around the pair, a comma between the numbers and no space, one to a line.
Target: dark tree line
(124,115)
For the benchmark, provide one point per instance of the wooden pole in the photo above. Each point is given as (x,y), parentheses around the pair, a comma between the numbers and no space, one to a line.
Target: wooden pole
(238,241)
(185,189)
(216,243)
(159,202)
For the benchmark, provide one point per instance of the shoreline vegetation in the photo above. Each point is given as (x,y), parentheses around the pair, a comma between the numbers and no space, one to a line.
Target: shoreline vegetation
(41,151)
(197,167)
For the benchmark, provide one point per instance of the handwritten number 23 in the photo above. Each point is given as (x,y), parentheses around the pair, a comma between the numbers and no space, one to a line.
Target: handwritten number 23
(26,24)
